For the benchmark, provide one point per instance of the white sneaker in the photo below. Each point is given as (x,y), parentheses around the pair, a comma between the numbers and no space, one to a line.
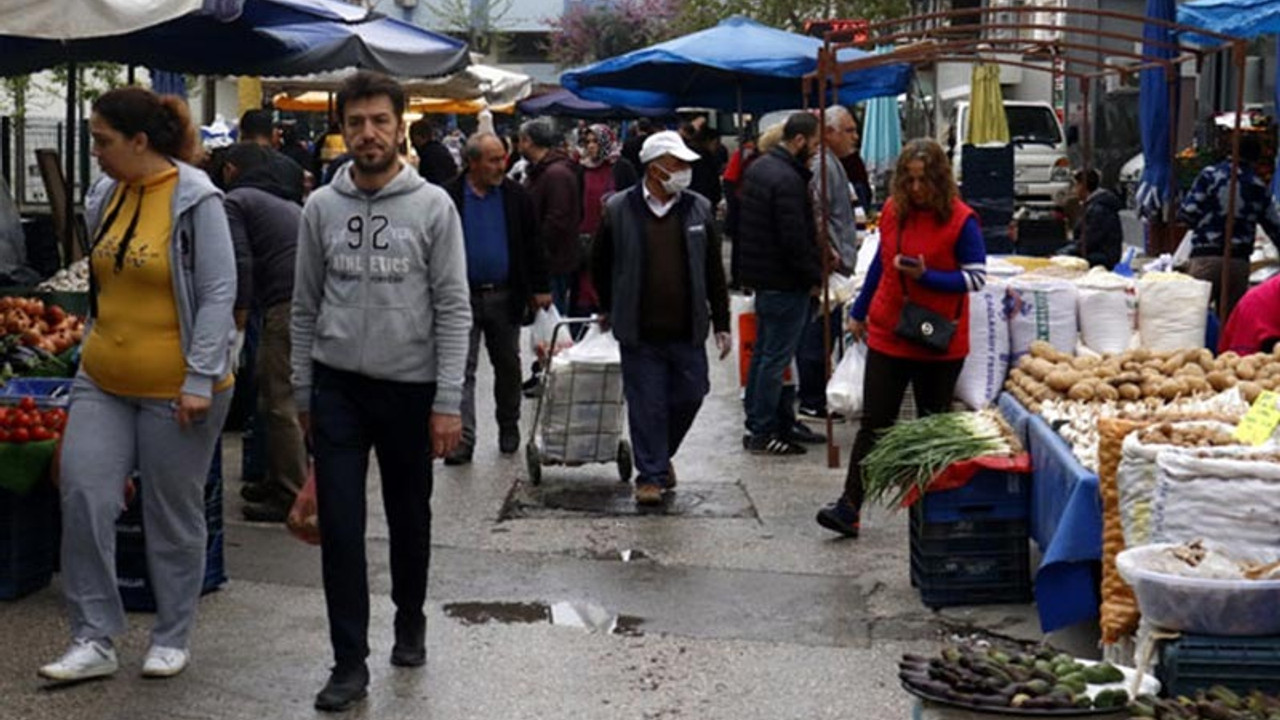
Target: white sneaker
(163,662)
(85,659)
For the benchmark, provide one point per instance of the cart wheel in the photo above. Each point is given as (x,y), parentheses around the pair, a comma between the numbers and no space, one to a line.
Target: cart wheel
(624,461)
(534,462)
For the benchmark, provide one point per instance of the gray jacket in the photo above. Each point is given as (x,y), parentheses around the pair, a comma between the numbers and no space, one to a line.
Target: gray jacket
(842,223)
(381,287)
(205,288)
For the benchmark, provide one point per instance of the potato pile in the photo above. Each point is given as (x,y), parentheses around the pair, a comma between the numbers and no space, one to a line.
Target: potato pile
(1141,375)
(1186,435)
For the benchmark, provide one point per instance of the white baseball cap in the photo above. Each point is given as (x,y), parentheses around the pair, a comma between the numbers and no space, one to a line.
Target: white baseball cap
(667,142)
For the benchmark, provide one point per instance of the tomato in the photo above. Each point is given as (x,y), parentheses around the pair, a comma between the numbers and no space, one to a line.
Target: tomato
(4,435)
(20,435)
(27,404)
(20,420)
(55,419)
(40,434)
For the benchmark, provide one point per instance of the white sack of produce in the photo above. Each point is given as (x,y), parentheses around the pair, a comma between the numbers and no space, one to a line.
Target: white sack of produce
(1108,310)
(998,267)
(581,410)
(1229,494)
(1041,310)
(987,364)
(1136,476)
(1172,311)
(844,389)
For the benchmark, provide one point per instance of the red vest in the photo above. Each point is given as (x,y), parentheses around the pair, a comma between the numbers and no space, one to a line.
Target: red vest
(922,234)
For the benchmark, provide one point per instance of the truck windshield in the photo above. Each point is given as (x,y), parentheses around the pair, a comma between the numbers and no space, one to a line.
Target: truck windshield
(1032,125)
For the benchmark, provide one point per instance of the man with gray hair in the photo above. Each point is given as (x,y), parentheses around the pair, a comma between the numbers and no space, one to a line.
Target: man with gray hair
(507,276)
(557,200)
(839,139)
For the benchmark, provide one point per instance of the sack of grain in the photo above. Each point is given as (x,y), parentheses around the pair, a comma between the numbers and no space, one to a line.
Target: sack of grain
(1108,309)
(1041,310)
(1172,311)
(987,364)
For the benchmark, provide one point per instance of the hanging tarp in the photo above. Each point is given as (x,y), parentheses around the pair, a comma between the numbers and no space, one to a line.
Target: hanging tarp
(988,123)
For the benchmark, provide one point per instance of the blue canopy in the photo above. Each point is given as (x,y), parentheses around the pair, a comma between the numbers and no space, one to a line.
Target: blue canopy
(268,37)
(1241,18)
(1153,113)
(564,103)
(738,64)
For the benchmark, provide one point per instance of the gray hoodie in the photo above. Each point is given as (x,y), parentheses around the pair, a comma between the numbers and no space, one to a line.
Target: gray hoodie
(205,288)
(381,287)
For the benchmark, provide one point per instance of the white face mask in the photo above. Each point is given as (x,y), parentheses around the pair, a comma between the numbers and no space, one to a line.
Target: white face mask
(678,180)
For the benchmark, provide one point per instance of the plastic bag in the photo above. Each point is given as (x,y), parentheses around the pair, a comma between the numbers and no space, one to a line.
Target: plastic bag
(844,389)
(597,347)
(542,331)
(304,520)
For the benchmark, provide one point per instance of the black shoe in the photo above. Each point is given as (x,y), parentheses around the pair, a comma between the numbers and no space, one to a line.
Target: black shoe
(801,433)
(461,456)
(841,517)
(256,492)
(533,388)
(771,445)
(509,440)
(346,687)
(267,512)
(808,413)
(410,649)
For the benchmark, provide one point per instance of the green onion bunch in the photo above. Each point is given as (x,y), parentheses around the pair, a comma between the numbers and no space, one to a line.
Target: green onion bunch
(911,454)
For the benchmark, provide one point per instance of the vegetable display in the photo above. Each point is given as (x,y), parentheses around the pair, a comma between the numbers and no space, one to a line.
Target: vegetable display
(73,278)
(1216,703)
(45,327)
(986,677)
(27,423)
(910,454)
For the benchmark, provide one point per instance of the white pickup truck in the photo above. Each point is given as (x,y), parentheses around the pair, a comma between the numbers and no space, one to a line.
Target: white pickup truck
(1042,172)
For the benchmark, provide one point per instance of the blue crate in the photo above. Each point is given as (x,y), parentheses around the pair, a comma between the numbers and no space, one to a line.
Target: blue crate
(990,495)
(30,530)
(974,579)
(1198,662)
(967,536)
(47,392)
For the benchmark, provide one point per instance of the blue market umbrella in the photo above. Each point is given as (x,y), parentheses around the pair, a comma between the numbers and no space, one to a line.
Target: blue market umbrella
(169,83)
(1153,114)
(566,104)
(881,135)
(1241,18)
(736,65)
(267,37)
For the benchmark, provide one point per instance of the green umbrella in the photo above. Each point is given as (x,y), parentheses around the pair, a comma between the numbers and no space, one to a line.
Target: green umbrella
(987,122)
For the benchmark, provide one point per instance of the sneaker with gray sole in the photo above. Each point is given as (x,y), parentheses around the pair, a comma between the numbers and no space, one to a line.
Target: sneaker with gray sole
(84,660)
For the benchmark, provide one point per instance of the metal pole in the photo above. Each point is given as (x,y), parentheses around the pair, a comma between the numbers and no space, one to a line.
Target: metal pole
(6,155)
(1237,59)
(69,164)
(1170,240)
(824,242)
(1086,154)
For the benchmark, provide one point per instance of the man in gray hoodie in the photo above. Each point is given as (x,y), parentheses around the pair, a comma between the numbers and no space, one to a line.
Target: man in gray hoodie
(381,320)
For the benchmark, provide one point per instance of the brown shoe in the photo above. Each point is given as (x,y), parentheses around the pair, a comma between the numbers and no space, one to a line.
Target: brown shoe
(648,494)
(671,476)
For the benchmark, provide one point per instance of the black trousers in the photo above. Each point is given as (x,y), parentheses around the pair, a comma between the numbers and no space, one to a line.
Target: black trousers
(351,414)
(883,388)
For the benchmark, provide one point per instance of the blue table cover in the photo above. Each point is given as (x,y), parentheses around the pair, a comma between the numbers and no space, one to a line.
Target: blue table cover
(1066,523)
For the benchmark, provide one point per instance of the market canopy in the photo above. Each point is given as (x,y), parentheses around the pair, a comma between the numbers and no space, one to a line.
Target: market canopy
(250,37)
(486,84)
(317,101)
(1241,18)
(563,103)
(736,65)
(78,19)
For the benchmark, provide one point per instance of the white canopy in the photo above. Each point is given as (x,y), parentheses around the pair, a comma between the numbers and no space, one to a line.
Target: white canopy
(495,86)
(77,19)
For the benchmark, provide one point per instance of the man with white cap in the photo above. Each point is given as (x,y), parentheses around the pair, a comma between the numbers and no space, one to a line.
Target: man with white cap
(657,269)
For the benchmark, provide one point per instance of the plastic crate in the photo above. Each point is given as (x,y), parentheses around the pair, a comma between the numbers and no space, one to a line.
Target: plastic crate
(989,495)
(30,533)
(969,561)
(132,577)
(1000,537)
(47,392)
(1198,662)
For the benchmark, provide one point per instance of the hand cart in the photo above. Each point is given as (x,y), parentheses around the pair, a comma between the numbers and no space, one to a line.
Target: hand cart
(580,416)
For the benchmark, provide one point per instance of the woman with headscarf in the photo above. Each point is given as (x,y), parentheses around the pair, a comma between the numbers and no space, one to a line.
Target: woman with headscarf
(603,172)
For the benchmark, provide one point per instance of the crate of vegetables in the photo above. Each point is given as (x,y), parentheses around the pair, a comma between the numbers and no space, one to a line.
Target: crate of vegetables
(28,440)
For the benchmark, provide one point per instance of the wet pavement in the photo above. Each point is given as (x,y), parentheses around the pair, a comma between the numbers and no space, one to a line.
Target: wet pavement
(557,601)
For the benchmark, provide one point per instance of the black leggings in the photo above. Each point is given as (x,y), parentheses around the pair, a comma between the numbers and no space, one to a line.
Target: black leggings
(883,388)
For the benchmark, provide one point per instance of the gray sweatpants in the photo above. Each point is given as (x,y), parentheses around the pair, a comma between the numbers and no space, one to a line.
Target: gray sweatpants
(107,437)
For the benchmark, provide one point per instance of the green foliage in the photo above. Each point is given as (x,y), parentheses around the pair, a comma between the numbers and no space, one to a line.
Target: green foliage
(785,14)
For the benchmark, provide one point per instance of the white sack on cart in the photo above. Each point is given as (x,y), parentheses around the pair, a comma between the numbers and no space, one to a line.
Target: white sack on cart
(1041,310)
(1173,314)
(542,332)
(1108,311)
(597,347)
(1136,481)
(1227,494)
(581,418)
(987,364)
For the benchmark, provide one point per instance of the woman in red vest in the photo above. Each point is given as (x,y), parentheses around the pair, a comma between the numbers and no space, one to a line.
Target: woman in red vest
(931,256)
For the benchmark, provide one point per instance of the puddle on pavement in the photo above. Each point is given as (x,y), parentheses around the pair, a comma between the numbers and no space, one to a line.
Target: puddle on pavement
(592,497)
(581,615)
(626,556)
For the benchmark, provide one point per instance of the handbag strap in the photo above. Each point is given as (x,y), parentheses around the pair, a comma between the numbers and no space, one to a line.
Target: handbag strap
(902,277)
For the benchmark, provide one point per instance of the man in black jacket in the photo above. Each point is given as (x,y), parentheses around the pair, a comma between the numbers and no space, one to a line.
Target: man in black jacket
(1099,234)
(507,275)
(264,228)
(778,260)
(435,162)
(257,127)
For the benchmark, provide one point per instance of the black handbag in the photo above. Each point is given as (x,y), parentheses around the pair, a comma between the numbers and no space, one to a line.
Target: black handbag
(919,325)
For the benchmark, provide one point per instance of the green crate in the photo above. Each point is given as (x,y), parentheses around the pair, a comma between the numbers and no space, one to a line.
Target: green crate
(23,465)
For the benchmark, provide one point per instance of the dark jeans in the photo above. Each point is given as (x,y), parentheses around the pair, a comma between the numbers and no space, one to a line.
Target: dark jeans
(883,387)
(780,322)
(351,414)
(561,286)
(811,358)
(491,316)
(664,385)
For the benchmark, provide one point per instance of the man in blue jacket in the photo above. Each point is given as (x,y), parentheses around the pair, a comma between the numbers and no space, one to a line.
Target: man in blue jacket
(657,269)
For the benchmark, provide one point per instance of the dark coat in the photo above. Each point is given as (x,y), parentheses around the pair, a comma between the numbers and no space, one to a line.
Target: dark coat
(777,232)
(526,260)
(1099,232)
(557,200)
(435,163)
